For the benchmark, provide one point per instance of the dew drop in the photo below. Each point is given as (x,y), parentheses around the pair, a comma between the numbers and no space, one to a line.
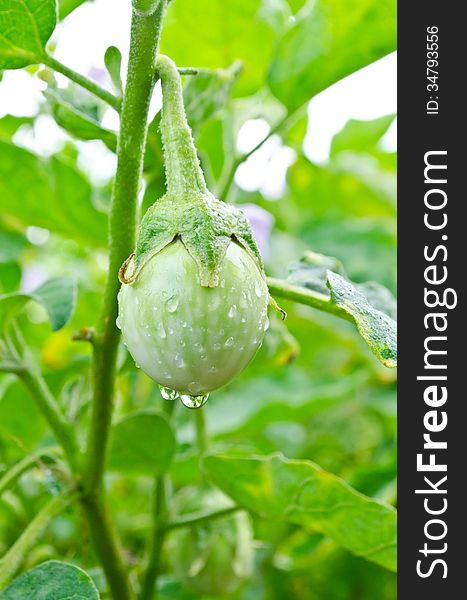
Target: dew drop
(168,393)
(266,325)
(193,401)
(184,324)
(258,290)
(118,322)
(178,360)
(216,347)
(222,283)
(161,331)
(243,319)
(136,300)
(229,342)
(233,311)
(172,304)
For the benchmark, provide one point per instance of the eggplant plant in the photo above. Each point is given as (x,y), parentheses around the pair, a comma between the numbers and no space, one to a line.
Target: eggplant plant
(166,286)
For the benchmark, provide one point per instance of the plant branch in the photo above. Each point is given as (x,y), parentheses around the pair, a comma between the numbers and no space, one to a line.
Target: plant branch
(61,427)
(282,289)
(83,81)
(28,462)
(202,519)
(144,42)
(12,560)
(228,178)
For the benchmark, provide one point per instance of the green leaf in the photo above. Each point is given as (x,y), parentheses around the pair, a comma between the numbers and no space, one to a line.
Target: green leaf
(376,328)
(52,580)
(57,296)
(216,33)
(9,125)
(360,136)
(143,443)
(26,27)
(113,64)
(330,40)
(78,123)
(65,7)
(371,306)
(206,93)
(300,492)
(49,193)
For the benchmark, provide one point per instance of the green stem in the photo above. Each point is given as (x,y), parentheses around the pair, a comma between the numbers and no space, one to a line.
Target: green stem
(202,519)
(14,473)
(104,539)
(201,432)
(228,178)
(158,537)
(182,169)
(12,560)
(283,289)
(145,33)
(61,427)
(159,525)
(83,81)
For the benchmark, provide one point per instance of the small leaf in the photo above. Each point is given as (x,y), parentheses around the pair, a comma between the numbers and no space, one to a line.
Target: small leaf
(206,93)
(78,123)
(300,492)
(143,443)
(330,40)
(360,136)
(57,296)
(52,580)
(377,328)
(26,27)
(371,305)
(65,7)
(113,64)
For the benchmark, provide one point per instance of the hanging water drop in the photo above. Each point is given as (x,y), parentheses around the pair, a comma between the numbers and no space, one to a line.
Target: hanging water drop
(168,393)
(193,401)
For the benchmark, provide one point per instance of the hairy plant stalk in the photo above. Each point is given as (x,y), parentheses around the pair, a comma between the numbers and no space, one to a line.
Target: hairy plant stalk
(145,34)
(12,560)
(283,289)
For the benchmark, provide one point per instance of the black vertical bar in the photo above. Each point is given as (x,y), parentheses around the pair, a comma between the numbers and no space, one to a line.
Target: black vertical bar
(438,128)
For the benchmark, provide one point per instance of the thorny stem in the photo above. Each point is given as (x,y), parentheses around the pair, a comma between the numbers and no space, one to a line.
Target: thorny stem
(83,81)
(145,34)
(283,289)
(12,560)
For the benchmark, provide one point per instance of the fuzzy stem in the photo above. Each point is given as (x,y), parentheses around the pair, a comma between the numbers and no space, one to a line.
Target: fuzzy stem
(12,560)
(28,462)
(182,169)
(201,431)
(83,81)
(283,289)
(145,35)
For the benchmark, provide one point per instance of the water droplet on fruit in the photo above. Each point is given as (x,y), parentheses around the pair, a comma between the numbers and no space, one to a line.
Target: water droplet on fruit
(193,401)
(216,347)
(243,319)
(222,283)
(178,360)
(118,322)
(161,331)
(233,311)
(136,300)
(183,324)
(168,393)
(172,304)
(258,290)
(229,342)
(266,325)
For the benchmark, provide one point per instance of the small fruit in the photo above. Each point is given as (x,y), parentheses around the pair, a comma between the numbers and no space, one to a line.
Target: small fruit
(215,558)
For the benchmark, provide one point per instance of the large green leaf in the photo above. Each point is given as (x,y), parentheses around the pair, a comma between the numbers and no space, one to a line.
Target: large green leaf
(330,40)
(57,296)
(25,26)
(52,580)
(300,492)
(49,193)
(361,136)
(216,33)
(142,444)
